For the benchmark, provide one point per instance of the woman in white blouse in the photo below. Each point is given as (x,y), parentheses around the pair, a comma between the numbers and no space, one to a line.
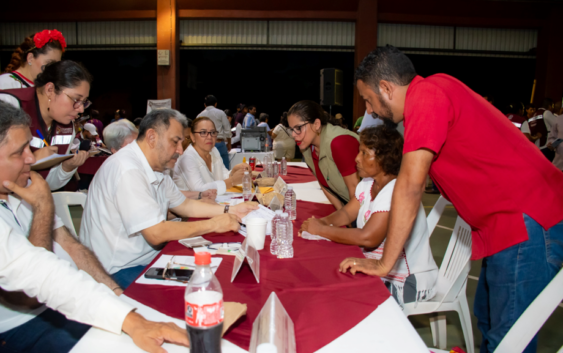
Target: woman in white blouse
(200,167)
(413,278)
(284,144)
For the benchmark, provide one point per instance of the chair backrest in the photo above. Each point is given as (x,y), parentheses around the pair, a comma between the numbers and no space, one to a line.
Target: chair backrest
(532,319)
(62,201)
(434,215)
(455,265)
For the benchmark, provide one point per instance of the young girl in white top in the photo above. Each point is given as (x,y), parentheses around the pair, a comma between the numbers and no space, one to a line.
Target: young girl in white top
(31,57)
(200,167)
(413,278)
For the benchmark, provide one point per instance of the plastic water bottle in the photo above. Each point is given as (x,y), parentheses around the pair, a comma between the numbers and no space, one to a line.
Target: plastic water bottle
(290,203)
(269,167)
(203,304)
(283,166)
(246,186)
(274,243)
(284,236)
(275,169)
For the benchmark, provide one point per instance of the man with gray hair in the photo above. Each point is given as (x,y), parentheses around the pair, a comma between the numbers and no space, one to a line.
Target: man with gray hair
(124,221)
(119,134)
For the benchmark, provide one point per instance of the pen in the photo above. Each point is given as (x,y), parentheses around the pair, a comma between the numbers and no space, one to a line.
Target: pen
(43,138)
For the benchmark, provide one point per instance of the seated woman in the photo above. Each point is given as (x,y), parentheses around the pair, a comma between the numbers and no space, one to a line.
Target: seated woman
(201,168)
(414,276)
(328,150)
(284,144)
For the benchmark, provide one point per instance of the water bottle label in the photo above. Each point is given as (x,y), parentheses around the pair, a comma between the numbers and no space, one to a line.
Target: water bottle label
(204,315)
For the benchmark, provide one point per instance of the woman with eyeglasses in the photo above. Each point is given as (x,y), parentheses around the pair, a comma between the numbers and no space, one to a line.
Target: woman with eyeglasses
(328,150)
(201,167)
(60,94)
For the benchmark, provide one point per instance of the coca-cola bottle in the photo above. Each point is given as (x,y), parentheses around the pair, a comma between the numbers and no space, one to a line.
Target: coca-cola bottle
(204,307)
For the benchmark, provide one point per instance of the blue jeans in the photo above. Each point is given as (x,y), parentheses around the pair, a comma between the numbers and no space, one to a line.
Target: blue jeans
(511,279)
(127,276)
(48,332)
(222,147)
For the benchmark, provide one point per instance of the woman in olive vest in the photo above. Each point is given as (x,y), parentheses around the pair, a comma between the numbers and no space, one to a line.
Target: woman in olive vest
(329,151)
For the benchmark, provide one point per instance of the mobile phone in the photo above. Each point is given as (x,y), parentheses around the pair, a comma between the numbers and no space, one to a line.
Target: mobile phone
(172,273)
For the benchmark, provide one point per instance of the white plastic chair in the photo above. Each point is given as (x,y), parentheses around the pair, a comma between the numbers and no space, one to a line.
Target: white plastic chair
(532,319)
(62,201)
(450,289)
(434,215)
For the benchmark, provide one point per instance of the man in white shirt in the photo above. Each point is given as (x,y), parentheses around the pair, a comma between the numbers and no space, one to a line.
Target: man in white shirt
(124,221)
(25,324)
(222,125)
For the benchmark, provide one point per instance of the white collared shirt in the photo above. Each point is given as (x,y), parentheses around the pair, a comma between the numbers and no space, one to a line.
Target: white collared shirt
(18,217)
(191,171)
(125,197)
(39,273)
(220,120)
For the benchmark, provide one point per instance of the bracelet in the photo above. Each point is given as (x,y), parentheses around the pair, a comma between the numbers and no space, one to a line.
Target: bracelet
(199,196)
(226,209)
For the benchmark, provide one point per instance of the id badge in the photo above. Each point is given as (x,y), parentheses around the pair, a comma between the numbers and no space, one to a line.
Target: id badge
(37,142)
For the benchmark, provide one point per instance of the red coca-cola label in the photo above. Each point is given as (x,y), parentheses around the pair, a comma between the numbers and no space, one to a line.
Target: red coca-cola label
(252,163)
(204,315)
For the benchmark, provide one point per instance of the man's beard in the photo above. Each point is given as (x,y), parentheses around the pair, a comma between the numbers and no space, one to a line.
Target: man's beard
(387,114)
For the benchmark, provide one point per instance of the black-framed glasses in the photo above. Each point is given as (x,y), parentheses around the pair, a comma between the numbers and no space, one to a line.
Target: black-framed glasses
(77,103)
(297,129)
(204,133)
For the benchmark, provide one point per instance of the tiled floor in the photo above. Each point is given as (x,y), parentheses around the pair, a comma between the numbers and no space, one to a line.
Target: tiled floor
(551,334)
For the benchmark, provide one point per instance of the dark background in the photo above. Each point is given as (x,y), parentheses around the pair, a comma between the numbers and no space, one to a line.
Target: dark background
(272,80)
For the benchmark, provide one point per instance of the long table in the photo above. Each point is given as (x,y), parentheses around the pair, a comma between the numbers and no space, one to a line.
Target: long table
(322,323)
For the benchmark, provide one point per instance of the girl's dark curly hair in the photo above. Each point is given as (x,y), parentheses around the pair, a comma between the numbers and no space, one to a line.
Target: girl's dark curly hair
(387,143)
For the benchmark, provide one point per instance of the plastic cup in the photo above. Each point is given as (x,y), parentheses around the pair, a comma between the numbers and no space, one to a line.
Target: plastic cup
(256,232)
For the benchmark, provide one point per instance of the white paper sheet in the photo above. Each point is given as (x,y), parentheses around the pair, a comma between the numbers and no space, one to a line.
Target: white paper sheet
(261,212)
(163,261)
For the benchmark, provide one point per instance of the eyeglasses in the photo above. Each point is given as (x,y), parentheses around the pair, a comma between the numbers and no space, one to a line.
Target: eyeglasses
(77,103)
(297,130)
(204,133)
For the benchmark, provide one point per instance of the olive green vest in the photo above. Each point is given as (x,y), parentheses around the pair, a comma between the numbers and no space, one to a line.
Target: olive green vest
(326,164)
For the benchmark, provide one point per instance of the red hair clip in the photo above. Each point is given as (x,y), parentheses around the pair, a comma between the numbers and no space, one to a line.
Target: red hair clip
(47,35)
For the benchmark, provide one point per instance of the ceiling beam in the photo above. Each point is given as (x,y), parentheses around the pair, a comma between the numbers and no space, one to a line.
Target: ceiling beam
(483,22)
(78,16)
(269,15)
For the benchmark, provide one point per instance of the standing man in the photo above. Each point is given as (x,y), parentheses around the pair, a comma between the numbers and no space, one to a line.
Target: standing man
(511,198)
(250,120)
(222,125)
(242,110)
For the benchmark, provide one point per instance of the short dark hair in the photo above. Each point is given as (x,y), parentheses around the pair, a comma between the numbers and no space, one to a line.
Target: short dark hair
(264,117)
(386,63)
(11,116)
(63,74)
(529,105)
(283,119)
(308,111)
(210,100)
(228,112)
(137,121)
(159,119)
(387,143)
(547,103)
(249,107)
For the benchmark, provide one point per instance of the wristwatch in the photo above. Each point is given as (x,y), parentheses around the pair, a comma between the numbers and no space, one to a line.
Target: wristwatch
(226,209)
(199,196)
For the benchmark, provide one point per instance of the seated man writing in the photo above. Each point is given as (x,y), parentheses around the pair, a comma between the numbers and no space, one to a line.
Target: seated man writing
(27,215)
(124,221)
(415,273)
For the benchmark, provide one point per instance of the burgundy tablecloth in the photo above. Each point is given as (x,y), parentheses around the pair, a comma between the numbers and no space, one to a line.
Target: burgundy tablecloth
(322,302)
(92,165)
(296,175)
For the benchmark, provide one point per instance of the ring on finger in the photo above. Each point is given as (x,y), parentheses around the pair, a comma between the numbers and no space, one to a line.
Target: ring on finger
(354,263)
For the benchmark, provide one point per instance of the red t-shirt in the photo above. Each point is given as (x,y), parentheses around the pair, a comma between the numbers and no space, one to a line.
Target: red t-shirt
(488,169)
(344,151)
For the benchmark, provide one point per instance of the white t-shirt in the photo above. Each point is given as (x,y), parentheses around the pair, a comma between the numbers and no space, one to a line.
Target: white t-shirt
(416,258)
(526,130)
(19,217)
(264,124)
(9,81)
(191,172)
(125,197)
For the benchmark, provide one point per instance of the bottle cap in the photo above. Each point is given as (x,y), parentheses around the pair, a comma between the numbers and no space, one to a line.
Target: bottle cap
(246,172)
(283,158)
(289,187)
(202,258)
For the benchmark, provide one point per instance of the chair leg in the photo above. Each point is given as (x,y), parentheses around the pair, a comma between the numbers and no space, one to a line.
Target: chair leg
(465,319)
(439,331)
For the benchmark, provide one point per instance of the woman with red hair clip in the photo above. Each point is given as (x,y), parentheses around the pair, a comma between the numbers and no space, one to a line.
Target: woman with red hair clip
(31,57)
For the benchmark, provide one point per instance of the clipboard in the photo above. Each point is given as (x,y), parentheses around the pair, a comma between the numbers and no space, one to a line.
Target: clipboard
(252,256)
(50,161)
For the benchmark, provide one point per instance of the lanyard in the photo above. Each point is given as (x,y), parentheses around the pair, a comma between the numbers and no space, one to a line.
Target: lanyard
(5,205)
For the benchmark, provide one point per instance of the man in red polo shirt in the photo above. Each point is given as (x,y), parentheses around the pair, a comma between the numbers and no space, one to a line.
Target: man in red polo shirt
(500,184)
